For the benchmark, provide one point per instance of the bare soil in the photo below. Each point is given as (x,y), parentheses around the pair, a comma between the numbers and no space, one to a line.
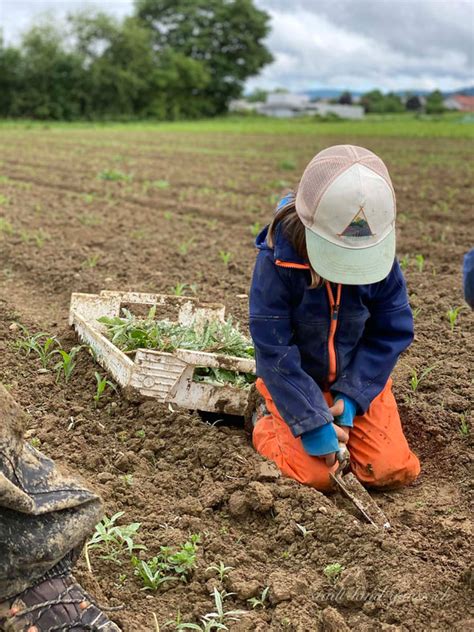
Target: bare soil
(65,229)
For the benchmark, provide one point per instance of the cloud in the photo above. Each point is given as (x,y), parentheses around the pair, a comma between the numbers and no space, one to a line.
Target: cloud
(356,44)
(361,44)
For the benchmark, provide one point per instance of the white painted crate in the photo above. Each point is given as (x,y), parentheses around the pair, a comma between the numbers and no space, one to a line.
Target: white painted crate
(167,377)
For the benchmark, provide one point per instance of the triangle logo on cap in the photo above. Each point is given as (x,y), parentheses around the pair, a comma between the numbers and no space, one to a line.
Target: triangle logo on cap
(358,226)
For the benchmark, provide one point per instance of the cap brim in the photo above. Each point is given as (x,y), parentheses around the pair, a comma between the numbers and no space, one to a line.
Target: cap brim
(351,266)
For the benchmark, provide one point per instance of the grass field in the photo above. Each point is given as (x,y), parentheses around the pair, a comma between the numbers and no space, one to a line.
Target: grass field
(168,207)
(450,125)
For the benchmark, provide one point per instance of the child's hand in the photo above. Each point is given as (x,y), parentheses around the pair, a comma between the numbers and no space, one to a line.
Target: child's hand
(342,437)
(344,410)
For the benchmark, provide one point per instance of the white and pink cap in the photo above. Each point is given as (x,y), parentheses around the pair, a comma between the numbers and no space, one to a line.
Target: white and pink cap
(346,201)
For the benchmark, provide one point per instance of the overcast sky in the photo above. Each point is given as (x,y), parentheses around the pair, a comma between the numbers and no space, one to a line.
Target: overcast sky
(355,44)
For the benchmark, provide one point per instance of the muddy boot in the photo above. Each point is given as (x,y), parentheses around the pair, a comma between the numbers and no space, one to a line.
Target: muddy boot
(57,603)
(255,410)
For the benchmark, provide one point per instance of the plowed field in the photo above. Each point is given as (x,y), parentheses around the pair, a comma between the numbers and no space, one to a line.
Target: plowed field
(87,209)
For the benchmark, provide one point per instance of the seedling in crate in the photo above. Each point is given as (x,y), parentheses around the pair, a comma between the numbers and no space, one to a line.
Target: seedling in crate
(259,602)
(167,565)
(221,569)
(112,540)
(453,314)
(66,365)
(416,378)
(102,383)
(332,571)
(42,344)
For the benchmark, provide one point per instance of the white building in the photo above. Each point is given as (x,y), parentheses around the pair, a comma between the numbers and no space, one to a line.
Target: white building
(343,111)
(284,105)
(288,105)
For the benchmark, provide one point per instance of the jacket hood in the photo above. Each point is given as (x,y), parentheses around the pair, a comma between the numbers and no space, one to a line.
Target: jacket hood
(282,250)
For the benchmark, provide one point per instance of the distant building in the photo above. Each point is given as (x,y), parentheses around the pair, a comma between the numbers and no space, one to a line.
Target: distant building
(284,105)
(288,105)
(460,102)
(343,111)
(241,105)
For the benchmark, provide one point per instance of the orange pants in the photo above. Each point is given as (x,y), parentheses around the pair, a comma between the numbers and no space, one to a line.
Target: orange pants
(380,456)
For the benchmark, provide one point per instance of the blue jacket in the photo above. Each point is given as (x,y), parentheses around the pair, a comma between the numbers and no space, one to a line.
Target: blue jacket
(290,327)
(468,278)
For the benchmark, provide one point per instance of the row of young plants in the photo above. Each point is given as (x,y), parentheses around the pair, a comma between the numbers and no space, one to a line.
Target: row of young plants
(47,348)
(173,565)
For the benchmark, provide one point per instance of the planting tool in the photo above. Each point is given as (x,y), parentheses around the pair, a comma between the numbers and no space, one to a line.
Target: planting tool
(352,488)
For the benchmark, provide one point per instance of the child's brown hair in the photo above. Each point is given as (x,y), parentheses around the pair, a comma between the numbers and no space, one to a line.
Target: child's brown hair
(294,230)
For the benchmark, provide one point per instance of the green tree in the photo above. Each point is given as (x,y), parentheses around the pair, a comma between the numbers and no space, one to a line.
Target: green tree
(435,103)
(257,95)
(224,36)
(48,78)
(378,103)
(10,80)
(345,98)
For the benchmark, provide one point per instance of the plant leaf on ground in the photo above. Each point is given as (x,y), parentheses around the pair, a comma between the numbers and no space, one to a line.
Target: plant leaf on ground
(168,565)
(113,540)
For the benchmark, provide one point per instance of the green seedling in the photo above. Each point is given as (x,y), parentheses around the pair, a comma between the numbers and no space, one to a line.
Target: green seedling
(288,164)
(221,569)
(115,176)
(416,378)
(35,442)
(90,219)
(5,226)
(260,602)
(112,540)
(66,365)
(91,261)
(4,200)
(221,616)
(452,315)
(37,237)
(304,531)
(168,215)
(184,246)
(255,228)
(332,571)
(416,311)
(179,288)
(225,257)
(140,434)
(160,184)
(404,261)
(167,566)
(127,479)
(102,383)
(420,262)
(42,344)
(463,425)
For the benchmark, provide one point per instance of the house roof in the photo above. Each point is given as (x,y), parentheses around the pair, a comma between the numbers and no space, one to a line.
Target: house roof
(465,101)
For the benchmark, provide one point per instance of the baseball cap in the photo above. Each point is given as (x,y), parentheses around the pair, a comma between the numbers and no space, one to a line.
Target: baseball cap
(346,202)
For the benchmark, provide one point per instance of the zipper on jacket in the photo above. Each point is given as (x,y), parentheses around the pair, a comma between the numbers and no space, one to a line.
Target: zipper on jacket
(334,307)
(290,264)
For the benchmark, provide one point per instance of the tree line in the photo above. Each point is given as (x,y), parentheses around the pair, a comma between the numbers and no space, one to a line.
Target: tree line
(171,59)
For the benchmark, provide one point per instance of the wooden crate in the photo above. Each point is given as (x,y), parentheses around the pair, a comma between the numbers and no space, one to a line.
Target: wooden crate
(166,377)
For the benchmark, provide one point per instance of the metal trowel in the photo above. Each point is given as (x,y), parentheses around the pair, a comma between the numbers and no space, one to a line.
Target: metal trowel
(352,488)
